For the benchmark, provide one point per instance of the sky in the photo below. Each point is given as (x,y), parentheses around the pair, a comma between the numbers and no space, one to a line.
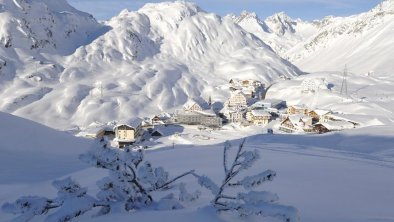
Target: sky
(304,9)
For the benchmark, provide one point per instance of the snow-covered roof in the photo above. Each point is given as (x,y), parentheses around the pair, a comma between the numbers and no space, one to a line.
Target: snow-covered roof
(273,102)
(350,117)
(321,112)
(94,129)
(338,125)
(260,113)
(227,109)
(191,102)
(237,92)
(133,123)
(299,121)
(207,112)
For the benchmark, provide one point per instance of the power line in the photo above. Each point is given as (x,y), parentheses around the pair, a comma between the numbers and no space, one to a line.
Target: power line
(344,89)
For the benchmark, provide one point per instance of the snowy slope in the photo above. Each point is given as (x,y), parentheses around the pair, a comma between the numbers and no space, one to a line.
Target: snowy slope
(362,41)
(31,29)
(36,151)
(352,185)
(149,61)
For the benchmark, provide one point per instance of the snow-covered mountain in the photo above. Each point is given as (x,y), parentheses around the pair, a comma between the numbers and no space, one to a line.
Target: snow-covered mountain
(144,62)
(32,35)
(279,31)
(364,42)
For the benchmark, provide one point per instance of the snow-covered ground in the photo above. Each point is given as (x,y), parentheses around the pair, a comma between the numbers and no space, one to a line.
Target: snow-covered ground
(344,176)
(145,62)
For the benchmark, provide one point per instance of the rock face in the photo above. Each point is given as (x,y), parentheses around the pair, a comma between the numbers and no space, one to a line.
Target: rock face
(68,70)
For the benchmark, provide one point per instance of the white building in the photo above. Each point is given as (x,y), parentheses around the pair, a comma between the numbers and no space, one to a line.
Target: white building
(234,115)
(204,118)
(127,132)
(297,123)
(237,99)
(251,88)
(258,117)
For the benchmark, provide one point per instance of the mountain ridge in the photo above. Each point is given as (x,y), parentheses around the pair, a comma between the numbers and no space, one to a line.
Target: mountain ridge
(330,43)
(146,62)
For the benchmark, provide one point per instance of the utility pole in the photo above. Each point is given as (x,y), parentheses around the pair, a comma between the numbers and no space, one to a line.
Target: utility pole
(344,89)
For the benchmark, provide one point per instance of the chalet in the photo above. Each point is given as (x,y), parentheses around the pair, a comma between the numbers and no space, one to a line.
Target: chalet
(258,117)
(128,132)
(353,119)
(157,120)
(238,99)
(161,119)
(337,125)
(195,105)
(296,123)
(234,115)
(320,128)
(92,133)
(297,109)
(319,115)
(95,131)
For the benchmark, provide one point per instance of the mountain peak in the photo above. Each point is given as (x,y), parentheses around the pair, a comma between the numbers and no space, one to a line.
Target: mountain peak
(246,16)
(281,23)
(179,8)
(48,25)
(385,6)
(280,16)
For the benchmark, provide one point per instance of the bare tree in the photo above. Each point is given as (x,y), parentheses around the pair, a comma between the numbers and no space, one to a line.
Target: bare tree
(250,203)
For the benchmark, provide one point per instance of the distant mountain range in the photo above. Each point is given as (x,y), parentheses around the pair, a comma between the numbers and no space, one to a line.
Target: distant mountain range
(62,68)
(364,42)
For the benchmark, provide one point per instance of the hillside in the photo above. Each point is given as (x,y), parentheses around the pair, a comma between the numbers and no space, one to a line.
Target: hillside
(31,152)
(363,42)
(148,61)
(355,167)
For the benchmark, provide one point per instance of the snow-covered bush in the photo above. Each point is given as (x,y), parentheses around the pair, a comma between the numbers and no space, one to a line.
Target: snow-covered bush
(252,202)
(72,201)
(128,187)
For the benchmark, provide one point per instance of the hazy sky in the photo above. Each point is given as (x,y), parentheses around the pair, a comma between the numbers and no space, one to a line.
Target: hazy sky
(305,9)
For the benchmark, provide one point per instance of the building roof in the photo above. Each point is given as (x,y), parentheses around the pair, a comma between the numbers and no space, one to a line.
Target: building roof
(299,121)
(192,102)
(349,117)
(227,109)
(133,123)
(207,112)
(321,112)
(273,102)
(338,125)
(260,113)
